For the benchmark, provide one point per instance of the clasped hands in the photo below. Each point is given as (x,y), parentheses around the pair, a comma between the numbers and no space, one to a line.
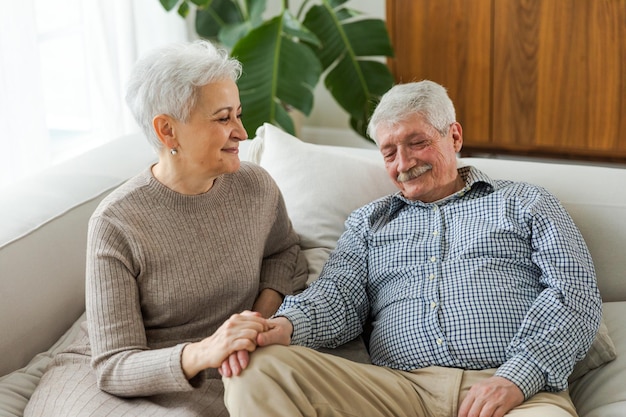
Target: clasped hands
(229,347)
(274,331)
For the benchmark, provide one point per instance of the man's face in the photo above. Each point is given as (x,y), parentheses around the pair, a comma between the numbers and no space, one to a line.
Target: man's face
(419,160)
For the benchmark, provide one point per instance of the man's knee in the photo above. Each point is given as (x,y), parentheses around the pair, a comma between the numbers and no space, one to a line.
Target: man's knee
(263,363)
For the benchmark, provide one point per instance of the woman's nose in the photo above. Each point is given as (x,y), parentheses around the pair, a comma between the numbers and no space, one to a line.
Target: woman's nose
(240,132)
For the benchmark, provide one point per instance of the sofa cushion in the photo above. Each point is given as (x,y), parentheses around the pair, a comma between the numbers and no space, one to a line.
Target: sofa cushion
(17,387)
(601,351)
(321,186)
(601,391)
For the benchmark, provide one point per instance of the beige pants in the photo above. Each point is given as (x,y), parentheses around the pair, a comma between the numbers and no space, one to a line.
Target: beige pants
(295,381)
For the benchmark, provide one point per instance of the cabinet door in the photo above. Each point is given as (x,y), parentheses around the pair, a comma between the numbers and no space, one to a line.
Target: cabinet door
(447,41)
(559,70)
(530,77)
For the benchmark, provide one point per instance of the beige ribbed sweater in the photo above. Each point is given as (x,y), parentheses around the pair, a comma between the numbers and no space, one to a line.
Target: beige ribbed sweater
(164,269)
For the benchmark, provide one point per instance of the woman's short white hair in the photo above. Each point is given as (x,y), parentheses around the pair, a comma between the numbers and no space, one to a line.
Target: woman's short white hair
(168,81)
(403,100)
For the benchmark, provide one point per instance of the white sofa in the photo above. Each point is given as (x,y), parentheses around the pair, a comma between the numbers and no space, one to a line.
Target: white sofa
(43,233)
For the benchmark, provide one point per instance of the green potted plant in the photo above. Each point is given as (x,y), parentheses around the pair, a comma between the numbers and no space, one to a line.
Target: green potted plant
(284,56)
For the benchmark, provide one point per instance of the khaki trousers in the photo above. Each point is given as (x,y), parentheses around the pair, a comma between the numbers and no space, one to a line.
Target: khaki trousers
(294,381)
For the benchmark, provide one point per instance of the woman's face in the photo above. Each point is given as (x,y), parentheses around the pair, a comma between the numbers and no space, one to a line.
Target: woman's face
(208,143)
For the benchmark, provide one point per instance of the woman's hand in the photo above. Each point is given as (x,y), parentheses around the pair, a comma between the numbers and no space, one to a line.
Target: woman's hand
(279,331)
(237,334)
(234,364)
(266,304)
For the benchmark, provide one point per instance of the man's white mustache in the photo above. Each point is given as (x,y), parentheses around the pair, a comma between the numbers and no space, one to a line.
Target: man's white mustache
(414,172)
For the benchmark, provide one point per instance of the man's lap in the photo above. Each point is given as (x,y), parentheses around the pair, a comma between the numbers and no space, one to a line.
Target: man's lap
(316,383)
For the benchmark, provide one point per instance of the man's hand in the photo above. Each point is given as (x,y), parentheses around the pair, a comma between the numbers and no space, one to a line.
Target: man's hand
(279,332)
(493,397)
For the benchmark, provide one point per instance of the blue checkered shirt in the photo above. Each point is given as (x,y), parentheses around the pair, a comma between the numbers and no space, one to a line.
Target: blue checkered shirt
(494,276)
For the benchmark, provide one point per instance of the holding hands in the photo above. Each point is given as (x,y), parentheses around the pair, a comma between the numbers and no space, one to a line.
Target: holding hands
(227,348)
(277,331)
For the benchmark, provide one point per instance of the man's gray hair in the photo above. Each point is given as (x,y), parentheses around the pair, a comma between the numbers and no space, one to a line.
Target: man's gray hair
(168,81)
(403,100)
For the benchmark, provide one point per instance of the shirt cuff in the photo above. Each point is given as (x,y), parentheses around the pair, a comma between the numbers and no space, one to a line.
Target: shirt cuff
(300,323)
(523,373)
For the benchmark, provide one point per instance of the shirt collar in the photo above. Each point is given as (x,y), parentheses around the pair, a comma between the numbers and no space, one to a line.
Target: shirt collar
(472,177)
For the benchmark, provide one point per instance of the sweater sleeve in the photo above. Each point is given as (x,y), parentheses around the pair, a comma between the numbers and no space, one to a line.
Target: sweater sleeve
(283,267)
(124,364)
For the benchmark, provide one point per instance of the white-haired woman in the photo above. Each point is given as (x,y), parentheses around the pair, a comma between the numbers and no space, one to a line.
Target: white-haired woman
(176,253)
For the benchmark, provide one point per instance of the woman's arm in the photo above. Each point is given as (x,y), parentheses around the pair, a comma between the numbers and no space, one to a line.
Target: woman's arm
(268,302)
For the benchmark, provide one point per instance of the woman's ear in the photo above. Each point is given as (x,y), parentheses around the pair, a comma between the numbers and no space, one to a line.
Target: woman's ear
(164,128)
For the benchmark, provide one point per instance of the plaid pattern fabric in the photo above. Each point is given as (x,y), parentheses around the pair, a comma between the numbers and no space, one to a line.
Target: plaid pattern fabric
(495,276)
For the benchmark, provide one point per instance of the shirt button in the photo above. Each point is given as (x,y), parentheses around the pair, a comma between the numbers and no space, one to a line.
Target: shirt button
(435,208)
(435,233)
(433,259)
(431,276)
(433,304)
(439,341)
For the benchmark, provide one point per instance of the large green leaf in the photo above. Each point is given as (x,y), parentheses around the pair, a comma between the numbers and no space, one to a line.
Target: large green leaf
(168,4)
(279,72)
(227,21)
(216,15)
(355,80)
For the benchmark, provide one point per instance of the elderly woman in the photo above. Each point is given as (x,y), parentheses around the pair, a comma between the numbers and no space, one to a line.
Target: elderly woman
(175,253)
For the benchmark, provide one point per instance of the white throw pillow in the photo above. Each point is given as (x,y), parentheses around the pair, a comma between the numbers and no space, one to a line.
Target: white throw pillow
(321,185)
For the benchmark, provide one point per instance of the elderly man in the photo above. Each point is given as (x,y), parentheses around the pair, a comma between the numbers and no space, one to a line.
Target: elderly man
(481,293)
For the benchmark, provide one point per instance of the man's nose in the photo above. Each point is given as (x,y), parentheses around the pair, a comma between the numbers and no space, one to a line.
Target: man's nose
(404,160)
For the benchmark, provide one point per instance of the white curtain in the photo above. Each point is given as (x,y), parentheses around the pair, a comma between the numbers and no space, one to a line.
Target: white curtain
(63,71)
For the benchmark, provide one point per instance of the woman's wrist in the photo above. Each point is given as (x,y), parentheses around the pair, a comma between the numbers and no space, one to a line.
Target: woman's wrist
(188,361)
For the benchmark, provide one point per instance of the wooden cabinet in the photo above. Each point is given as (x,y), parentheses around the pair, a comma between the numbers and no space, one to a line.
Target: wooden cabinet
(528,77)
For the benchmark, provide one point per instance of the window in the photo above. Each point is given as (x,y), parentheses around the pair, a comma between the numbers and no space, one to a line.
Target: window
(63,68)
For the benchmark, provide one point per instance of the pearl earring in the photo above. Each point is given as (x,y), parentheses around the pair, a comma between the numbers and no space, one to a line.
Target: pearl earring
(173,151)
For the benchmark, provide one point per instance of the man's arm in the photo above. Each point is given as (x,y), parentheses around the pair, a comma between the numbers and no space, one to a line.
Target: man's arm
(561,324)
(558,327)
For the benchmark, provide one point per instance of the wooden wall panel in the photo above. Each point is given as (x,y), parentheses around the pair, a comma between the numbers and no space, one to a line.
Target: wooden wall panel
(559,75)
(447,41)
(528,77)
